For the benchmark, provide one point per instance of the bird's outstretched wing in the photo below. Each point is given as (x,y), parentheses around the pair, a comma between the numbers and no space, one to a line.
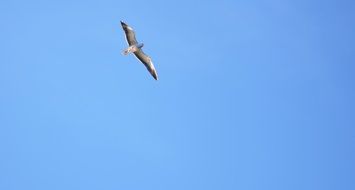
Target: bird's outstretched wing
(147,61)
(129,33)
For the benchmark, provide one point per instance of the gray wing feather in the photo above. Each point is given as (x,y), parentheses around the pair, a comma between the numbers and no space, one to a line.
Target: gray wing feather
(147,61)
(129,33)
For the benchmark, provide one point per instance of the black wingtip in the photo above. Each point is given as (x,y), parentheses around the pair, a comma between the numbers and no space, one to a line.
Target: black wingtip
(123,24)
(155,76)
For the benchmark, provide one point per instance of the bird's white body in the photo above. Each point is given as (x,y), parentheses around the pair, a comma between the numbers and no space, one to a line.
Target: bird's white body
(133,48)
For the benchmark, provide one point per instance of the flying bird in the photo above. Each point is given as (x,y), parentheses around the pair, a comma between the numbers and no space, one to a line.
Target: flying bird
(136,48)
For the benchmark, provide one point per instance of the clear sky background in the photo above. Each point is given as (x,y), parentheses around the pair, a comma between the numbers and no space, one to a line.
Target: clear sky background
(252,95)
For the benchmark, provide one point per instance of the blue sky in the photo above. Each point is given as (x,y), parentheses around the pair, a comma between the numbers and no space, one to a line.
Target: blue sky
(252,95)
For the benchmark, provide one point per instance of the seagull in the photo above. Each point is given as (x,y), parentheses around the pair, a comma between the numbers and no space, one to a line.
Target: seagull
(136,48)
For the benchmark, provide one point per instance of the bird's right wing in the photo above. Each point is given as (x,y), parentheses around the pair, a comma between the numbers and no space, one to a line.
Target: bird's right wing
(129,33)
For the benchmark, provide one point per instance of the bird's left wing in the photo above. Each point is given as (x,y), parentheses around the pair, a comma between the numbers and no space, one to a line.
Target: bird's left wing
(147,61)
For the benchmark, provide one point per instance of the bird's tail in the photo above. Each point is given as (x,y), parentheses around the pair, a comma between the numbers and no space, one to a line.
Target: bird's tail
(130,49)
(124,52)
